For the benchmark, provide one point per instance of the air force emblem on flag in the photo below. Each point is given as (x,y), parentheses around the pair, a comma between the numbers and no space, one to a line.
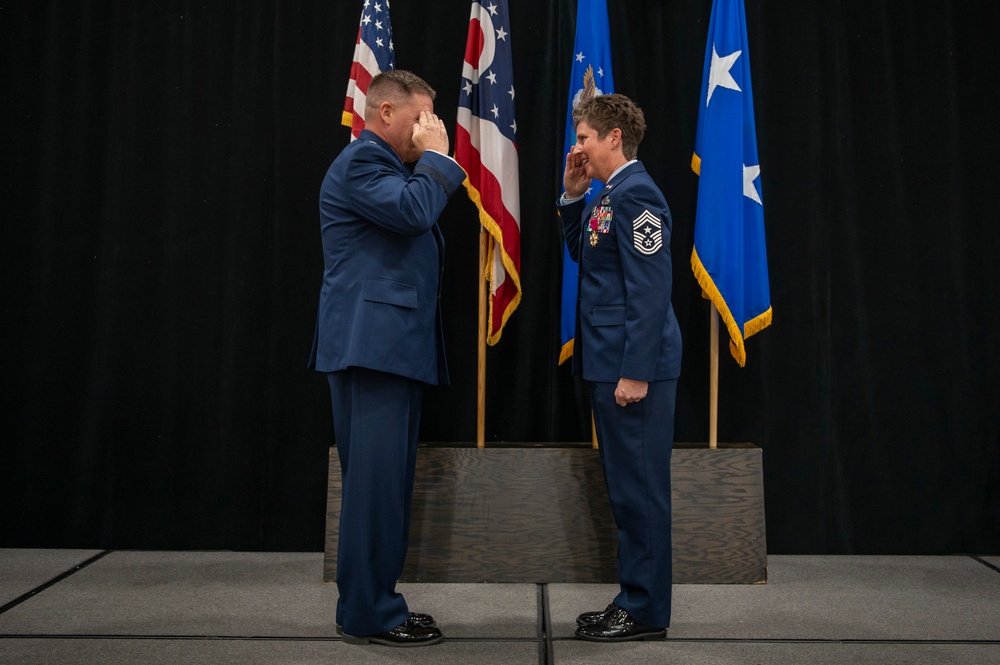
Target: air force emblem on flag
(647,233)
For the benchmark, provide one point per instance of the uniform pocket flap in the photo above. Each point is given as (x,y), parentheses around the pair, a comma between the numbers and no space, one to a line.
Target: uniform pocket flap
(392,293)
(608,315)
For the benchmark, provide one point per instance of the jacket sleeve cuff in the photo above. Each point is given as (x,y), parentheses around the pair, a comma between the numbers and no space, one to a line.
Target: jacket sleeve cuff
(442,169)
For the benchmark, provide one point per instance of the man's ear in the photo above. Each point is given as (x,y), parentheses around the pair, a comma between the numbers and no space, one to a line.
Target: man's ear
(385,111)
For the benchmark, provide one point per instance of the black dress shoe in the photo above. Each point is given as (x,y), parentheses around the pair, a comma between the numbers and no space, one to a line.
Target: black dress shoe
(415,617)
(594,617)
(407,634)
(618,626)
(423,619)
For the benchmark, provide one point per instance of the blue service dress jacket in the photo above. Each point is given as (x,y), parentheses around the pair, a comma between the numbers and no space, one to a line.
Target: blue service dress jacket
(625,323)
(383,253)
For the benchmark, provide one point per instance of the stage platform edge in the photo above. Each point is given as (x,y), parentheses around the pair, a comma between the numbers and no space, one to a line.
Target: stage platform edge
(538,513)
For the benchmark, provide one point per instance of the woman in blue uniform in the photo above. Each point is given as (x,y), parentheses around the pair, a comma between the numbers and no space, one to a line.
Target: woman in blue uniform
(628,349)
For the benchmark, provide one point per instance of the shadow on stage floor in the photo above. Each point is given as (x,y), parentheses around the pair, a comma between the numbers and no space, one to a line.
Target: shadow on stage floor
(88,606)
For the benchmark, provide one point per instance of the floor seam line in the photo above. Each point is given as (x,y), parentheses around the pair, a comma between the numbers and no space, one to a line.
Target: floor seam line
(468,640)
(52,582)
(546,655)
(995,569)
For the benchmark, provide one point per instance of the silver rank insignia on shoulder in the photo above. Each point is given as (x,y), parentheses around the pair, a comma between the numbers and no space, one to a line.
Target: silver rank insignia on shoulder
(647,233)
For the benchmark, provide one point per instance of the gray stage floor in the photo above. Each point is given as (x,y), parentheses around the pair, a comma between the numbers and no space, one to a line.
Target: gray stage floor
(78,606)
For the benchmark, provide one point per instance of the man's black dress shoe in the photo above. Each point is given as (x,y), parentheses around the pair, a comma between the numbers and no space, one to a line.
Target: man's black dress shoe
(415,617)
(618,626)
(407,634)
(594,617)
(423,619)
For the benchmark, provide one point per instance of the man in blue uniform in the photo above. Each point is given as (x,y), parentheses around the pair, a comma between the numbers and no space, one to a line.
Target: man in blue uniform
(628,348)
(379,340)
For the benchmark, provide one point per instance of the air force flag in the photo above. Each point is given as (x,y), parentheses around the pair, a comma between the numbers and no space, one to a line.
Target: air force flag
(729,258)
(589,77)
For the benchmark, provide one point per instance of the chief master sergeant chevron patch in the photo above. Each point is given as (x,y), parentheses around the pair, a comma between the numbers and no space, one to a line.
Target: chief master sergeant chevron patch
(647,233)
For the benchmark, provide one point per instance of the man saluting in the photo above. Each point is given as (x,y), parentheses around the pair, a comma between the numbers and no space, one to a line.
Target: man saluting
(379,340)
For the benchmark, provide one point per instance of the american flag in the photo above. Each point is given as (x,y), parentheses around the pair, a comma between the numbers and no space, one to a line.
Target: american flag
(373,54)
(486,147)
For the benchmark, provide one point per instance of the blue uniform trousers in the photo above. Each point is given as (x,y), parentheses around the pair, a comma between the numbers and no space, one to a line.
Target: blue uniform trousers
(376,421)
(636,442)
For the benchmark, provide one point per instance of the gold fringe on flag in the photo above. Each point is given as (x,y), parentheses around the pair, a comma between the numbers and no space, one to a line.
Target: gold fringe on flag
(493,229)
(736,336)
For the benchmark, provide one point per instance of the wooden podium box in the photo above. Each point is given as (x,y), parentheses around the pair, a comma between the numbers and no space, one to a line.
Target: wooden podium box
(535,514)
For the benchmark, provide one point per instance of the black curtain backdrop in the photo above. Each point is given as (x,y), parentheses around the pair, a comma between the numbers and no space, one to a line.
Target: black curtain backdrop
(161,263)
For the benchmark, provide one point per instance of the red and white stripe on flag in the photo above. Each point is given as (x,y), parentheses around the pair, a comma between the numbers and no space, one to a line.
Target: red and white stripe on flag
(373,54)
(486,148)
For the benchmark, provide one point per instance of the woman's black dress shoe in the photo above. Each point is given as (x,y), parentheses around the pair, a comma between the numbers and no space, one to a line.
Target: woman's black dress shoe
(618,626)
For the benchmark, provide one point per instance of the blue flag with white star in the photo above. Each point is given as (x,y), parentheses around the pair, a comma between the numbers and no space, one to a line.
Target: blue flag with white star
(591,76)
(730,258)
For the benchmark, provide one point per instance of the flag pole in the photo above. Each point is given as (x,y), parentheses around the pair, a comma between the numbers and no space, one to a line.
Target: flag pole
(713,382)
(481,370)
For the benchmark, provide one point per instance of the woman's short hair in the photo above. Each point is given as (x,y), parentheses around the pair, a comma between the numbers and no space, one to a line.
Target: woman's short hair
(605,112)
